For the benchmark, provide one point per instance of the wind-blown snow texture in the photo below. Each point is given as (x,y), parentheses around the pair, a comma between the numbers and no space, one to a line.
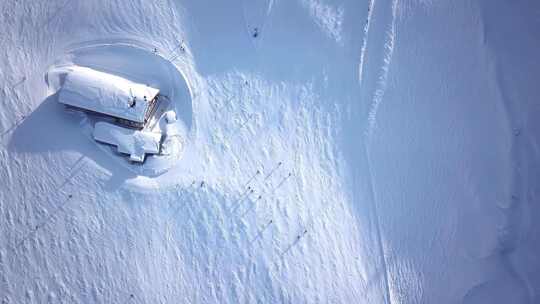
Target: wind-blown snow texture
(376,151)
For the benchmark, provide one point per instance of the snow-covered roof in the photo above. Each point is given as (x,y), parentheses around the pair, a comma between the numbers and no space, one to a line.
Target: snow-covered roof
(129,141)
(105,93)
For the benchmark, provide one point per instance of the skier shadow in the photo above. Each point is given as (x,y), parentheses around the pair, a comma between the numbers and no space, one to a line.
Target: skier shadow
(51,129)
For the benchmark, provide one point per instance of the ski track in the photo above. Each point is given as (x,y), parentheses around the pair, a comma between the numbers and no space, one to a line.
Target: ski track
(375,100)
(257,42)
(365,41)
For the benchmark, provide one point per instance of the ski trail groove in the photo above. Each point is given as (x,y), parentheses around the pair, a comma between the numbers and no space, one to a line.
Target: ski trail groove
(380,245)
(365,41)
(383,78)
(249,27)
(378,90)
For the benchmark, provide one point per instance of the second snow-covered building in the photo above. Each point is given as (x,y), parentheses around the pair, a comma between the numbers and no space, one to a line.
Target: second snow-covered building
(129,103)
(135,143)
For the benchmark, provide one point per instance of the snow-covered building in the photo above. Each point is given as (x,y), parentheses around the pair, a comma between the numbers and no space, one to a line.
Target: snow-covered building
(131,104)
(128,141)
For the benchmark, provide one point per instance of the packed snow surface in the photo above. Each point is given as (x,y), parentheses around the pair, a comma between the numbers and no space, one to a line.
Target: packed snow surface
(347,151)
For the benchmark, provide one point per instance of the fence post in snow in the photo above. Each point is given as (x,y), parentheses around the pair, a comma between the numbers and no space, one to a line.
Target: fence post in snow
(294,243)
(246,191)
(174,52)
(131,297)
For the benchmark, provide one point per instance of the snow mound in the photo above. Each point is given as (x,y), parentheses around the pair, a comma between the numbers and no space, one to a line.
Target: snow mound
(133,64)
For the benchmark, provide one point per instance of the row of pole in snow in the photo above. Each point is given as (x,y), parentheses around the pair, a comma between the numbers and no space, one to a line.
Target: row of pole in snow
(78,165)
(175,54)
(250,190)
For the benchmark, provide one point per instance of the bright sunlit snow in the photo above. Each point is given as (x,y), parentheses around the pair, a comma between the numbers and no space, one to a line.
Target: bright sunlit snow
(105,93)
(310,151)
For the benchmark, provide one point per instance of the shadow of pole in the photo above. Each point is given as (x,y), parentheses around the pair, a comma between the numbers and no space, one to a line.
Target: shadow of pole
(253,204)
(252,178)
(45,221)
(296,241)
(261,231)
(242,198)
(15,125)
(18,83)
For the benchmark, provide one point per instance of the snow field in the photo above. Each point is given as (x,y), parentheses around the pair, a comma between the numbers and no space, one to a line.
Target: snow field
(402,179)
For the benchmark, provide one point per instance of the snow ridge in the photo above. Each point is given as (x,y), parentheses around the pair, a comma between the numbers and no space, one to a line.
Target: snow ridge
(327,17)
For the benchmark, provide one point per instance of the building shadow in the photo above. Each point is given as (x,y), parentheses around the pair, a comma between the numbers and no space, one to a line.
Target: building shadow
(52,129)
(48,129)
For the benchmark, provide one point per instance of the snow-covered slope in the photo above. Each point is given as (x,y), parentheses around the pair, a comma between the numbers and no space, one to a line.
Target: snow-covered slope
(362,151)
